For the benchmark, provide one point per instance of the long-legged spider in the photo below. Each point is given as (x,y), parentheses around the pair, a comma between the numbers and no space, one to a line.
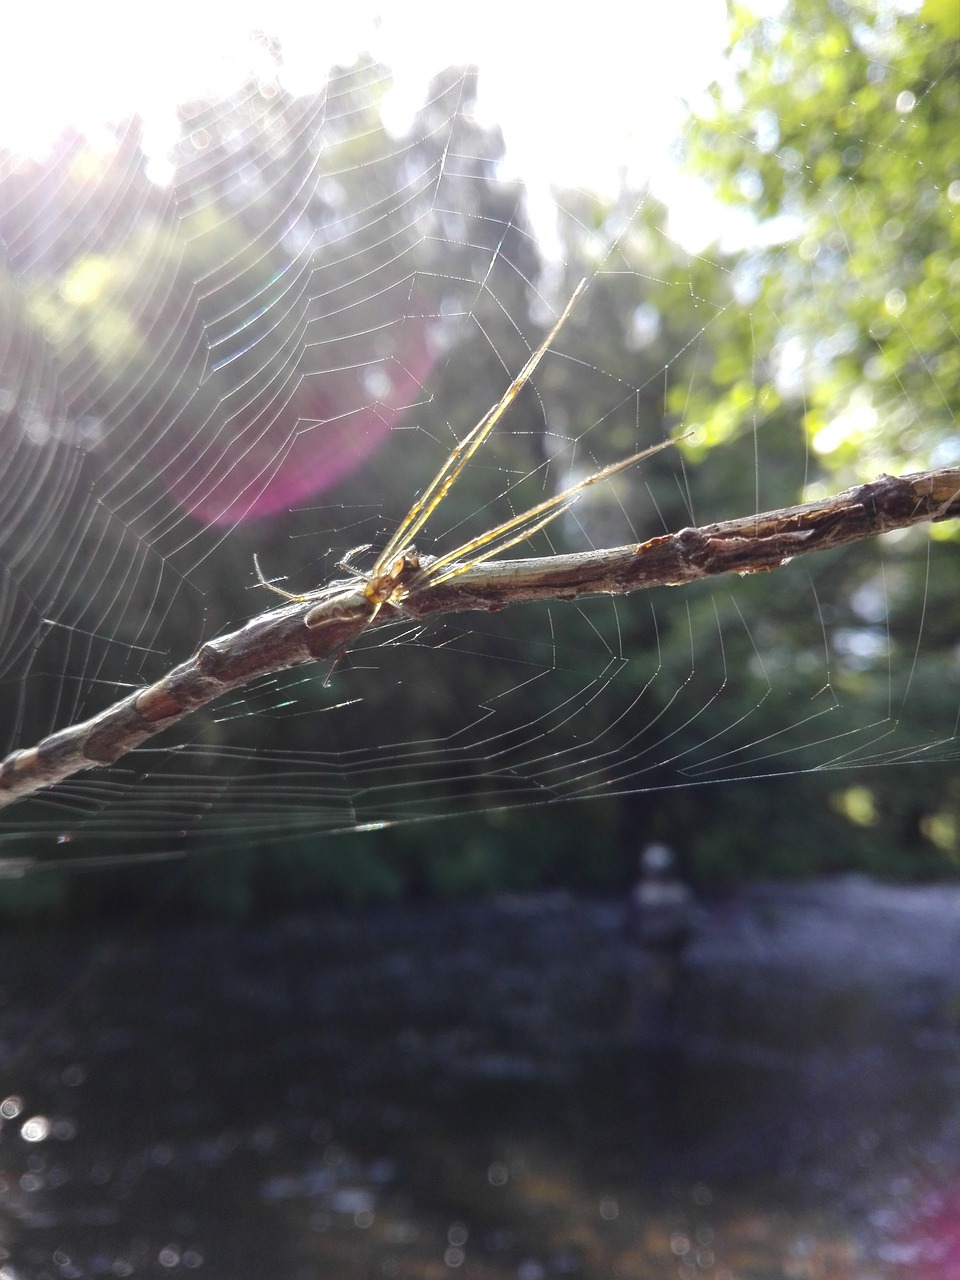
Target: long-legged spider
(398,567)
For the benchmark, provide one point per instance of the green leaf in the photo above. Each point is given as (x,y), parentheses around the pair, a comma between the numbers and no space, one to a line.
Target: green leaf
(944,15)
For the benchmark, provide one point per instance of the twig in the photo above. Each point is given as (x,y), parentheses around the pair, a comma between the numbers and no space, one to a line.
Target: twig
(280,638)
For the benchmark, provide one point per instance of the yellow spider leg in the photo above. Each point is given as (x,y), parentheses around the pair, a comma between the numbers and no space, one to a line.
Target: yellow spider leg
(443,481)
(345,562)
(279,591)
(430,579)
(524,525)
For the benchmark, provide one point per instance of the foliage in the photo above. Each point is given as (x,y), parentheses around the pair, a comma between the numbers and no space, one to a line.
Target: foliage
(827,346)
(837,130)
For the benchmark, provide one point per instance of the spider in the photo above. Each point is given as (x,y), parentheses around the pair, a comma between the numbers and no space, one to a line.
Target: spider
(398,568)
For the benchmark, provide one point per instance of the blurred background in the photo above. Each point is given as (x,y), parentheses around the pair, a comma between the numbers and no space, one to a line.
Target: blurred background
(355,973)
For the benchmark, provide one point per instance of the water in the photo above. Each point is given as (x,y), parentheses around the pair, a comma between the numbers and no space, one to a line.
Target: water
(466,1089)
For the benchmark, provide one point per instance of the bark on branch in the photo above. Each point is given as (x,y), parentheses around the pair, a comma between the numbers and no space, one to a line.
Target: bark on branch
(339,613)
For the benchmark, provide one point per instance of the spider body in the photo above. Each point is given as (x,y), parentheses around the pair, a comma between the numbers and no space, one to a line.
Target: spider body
(388,586)
(399,566)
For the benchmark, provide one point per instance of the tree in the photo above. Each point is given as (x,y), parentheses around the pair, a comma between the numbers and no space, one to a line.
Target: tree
(838,125)
(836,131)
(227,349)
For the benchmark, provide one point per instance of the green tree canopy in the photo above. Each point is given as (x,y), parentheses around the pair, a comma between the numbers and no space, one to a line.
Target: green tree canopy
(177,347)
(837,130)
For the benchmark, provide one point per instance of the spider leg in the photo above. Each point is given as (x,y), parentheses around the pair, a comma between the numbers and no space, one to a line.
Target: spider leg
(457,564)
(520,527)
(446,477)
(279,591)
(346,563)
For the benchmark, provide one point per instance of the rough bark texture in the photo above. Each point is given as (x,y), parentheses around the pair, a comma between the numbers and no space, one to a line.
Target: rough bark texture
(280,638)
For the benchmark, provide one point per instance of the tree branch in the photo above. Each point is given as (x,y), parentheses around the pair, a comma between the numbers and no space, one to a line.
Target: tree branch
(280,638)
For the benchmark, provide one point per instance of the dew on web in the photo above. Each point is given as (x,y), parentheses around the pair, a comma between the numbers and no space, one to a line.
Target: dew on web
(350,547)
(264,357)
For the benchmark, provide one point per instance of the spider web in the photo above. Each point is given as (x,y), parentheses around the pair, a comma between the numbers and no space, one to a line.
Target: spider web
(266,340)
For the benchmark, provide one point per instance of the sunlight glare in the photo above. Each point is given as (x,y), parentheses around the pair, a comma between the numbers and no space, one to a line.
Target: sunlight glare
(594,101)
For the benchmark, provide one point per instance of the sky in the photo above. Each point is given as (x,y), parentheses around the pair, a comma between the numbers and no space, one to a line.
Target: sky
(584,98)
